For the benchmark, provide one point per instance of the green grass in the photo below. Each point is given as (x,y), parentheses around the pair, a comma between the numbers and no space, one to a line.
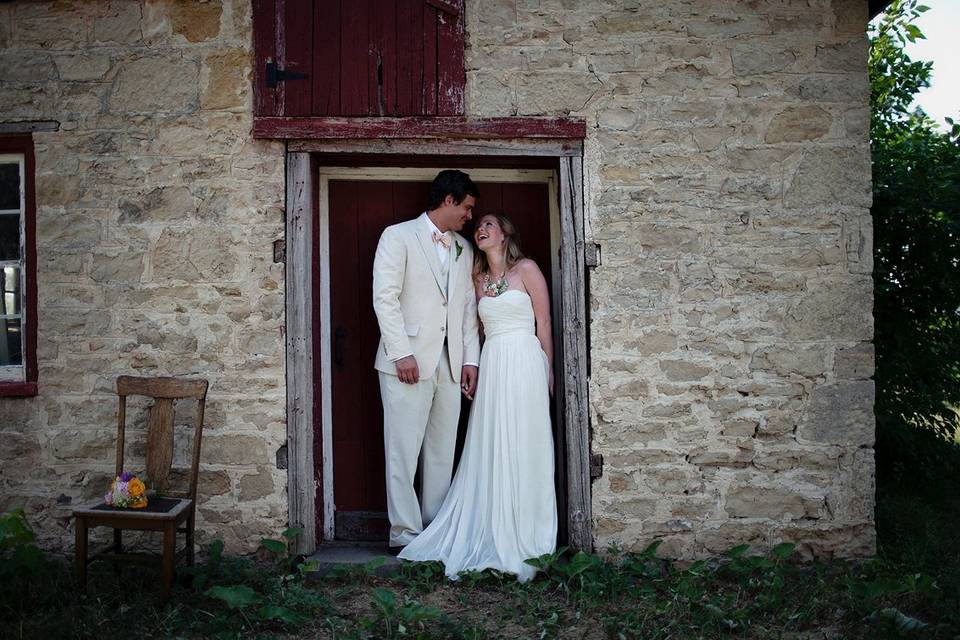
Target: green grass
(910,590)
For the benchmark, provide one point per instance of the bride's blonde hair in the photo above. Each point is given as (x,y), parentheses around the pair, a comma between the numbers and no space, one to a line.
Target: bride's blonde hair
(512,252)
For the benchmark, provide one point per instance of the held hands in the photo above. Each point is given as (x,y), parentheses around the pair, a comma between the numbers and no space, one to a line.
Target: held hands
(468,380)
(407,370)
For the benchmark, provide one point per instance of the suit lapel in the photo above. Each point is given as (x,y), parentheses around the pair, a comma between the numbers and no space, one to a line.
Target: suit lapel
(430,252)
(452,265)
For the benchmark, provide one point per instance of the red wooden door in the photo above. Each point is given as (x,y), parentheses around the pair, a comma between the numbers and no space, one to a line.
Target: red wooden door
(358,213)
(358,58)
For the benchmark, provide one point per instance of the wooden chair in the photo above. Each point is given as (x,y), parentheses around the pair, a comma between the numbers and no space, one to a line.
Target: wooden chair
(170,513)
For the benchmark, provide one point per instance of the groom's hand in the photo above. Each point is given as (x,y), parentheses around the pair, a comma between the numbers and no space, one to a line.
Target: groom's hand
(407,370)
(468,380)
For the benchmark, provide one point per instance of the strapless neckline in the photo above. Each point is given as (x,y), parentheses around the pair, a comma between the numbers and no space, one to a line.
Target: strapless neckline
(504,293)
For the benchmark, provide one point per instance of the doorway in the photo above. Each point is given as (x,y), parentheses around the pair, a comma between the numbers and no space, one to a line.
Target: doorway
(355,204)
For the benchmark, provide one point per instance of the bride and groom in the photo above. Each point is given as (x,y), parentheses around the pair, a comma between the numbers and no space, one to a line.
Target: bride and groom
(432,299)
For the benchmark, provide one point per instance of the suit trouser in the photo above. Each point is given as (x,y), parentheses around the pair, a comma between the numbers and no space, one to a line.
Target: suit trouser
(419,422)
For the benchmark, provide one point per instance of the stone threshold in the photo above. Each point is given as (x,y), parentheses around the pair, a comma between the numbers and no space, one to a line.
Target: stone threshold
(331,556)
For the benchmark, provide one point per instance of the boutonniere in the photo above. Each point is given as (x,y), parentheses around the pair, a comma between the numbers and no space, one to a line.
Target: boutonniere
(458,248)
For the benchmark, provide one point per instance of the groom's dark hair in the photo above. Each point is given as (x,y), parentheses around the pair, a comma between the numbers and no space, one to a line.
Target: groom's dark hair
(450,182)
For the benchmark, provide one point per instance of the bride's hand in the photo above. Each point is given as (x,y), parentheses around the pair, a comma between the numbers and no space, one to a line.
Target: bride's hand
(550,381)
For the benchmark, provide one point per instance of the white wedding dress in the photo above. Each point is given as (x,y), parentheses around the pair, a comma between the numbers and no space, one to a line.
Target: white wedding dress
(501,508)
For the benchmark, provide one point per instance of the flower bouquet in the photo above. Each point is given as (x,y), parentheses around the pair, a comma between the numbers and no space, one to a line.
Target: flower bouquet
(126,491)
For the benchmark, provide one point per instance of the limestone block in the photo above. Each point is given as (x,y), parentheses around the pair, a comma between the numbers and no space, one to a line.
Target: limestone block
(850,17)
(618,118)
(196,21)
(57,191)
(837,309)
(752,58)
(847,56)
(855,362)
(717,457)
(619,482)
(728,26)
(640,508)
(158,83)
(840,413)
(68,231)
(117,267)
(75,323)
(225,76)
(490,94)
(160,204)
(826,541)
(856,124)
(807,361)
(218,133)
(235,450)
(849,88)
(82,66)
(83,444)
(20,449)
(192,254)
(555,93)
(118,24)
(256,486)
(83,100)
(786,459)
(717,540)
(35,68)
(49,26)
(684,370)
(775,503)
(711,138)
(797,124)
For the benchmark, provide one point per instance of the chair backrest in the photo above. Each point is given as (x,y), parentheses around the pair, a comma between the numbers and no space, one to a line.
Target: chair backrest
(159,457)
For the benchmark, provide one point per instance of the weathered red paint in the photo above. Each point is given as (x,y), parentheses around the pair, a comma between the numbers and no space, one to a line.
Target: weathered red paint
(362,58)
(418,127)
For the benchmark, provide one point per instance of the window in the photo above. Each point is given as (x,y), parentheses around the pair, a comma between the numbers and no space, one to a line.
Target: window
(18,317)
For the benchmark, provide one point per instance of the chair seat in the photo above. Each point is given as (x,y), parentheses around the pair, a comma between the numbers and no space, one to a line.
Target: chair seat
(158,511)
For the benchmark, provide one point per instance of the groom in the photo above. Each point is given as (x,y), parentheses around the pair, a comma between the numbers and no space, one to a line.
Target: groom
(429,348)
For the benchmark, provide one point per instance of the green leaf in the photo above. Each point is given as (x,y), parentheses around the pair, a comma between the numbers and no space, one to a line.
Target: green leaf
(274,546)
(291,532)
(384,598)
(738,551)
(235,597)
(784,550)
(276,612)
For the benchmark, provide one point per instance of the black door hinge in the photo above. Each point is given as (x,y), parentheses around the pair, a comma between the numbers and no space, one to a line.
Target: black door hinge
(276,75)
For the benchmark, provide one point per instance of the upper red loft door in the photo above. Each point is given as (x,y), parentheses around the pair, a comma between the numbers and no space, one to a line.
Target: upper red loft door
(358,58)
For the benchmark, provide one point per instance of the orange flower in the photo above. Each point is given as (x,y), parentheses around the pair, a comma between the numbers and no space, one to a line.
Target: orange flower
(139,503)
(135,488)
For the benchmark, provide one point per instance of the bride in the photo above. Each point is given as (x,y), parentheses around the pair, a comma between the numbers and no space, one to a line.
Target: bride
(501,507)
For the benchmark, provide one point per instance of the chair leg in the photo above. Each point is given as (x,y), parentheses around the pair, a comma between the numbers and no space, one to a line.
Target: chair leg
(118,548)
(189,538)
(169,548)
(80,551)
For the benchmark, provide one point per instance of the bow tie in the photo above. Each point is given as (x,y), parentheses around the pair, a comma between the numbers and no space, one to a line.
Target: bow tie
(442,238)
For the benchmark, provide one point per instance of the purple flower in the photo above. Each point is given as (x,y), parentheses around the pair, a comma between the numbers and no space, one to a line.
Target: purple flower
(126,476)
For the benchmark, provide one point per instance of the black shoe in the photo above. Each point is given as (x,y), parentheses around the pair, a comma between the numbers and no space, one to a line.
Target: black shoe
(394,551)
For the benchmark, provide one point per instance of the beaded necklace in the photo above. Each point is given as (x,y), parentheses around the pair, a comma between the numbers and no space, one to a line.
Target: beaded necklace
(493,288)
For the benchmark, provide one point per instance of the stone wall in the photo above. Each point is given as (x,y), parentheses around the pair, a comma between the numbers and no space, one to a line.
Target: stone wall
(155,222)
(731,315)
(728,172)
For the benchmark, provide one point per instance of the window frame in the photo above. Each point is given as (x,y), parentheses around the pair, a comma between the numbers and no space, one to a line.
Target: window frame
(27,385)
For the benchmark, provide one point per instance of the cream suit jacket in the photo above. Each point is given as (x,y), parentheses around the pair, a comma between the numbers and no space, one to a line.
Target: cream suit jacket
(414,309)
